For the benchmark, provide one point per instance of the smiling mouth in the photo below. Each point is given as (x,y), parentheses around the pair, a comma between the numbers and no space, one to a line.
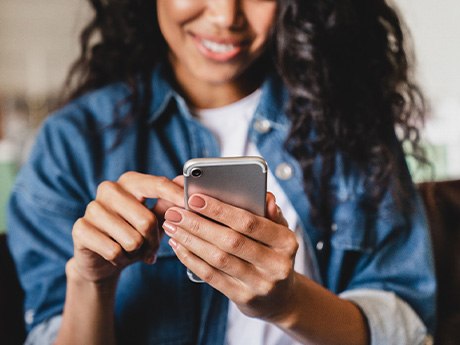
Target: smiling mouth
(219,50)
(218,47)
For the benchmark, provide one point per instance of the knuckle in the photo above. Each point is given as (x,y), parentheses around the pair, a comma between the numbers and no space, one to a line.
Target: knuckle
(195,226)
(126,176)
(146,223)
(266,288)
(113,253)
(221,260)
(134,242)
(249,225)
(162,182)
(235,243)
(92,209)
(292,245)
(217,209)
(78,229)
(249,298)
(284,270)
(188,241)
(208,275)
(104,188)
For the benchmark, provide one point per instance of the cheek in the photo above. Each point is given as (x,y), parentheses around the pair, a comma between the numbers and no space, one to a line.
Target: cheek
(173,15)
(184,5)
(262,18)
(179,11)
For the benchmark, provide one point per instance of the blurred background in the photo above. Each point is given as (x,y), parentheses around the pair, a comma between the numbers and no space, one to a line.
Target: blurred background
(39,41)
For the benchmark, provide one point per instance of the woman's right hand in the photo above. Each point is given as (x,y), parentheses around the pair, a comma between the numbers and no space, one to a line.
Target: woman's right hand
(117,229)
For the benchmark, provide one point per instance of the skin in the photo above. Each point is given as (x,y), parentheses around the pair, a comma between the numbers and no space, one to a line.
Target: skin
(248,258)
(207,83)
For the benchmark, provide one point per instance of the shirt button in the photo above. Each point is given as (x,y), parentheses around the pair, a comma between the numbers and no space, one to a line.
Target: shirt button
(284,171)
(334,227)
(29,316)
(320,245)
(262,125)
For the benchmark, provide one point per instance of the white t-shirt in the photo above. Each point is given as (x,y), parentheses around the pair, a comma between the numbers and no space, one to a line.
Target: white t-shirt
(230,125)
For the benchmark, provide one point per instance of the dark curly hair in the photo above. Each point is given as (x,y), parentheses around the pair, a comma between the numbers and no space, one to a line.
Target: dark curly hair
(344,62)
(347,66)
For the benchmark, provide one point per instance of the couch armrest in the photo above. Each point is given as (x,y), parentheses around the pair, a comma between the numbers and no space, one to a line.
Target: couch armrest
(12,330)
(442,203)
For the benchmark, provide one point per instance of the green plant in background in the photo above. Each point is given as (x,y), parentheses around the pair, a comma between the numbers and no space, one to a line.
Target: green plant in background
(7,175)
(436,170)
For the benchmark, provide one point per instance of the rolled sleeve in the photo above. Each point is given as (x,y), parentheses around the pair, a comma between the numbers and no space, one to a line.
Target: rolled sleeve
(390,319)
(44,333)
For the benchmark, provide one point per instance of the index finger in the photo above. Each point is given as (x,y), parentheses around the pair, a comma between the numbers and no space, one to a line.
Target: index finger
(144,186)
(163,205)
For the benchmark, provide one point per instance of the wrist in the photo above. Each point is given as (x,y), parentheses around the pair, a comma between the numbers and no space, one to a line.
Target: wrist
(288,317)
(88,316)
(105,285)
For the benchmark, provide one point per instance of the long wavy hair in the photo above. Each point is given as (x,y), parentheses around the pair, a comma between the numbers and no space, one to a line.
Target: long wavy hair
(345,64)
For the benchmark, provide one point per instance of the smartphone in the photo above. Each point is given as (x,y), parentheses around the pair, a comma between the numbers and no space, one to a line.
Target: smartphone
(238,181)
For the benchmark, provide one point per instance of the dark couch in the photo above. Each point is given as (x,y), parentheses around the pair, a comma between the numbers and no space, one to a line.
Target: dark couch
(11,316)
(442,201)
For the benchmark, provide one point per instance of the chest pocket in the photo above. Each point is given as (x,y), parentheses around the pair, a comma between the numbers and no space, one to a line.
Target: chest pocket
(352,227)
(157,304)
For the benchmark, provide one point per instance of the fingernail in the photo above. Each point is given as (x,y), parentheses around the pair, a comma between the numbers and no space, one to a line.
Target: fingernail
(152,259)
(169,228)
(197,202)
(172,243)
(173,216)
(150,256)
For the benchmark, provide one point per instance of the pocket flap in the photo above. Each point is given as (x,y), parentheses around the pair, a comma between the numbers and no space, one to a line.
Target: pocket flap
(352,227)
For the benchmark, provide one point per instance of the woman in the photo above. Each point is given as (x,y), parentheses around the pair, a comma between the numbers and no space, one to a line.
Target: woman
(316,88)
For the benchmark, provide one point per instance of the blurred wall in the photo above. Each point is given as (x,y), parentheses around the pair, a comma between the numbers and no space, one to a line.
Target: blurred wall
(436,30)
(38,41)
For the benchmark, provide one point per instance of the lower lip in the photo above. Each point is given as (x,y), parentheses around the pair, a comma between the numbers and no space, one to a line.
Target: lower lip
(212,55)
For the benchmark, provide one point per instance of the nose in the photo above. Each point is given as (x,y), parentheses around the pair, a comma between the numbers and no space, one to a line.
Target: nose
(226,13)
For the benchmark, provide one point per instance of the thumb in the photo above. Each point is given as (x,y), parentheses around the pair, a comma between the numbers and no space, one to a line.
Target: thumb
(274,212)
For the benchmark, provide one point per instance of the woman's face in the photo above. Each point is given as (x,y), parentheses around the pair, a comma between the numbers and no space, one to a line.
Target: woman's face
(214,41)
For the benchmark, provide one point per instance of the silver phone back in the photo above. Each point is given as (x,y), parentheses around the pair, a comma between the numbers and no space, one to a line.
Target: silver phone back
(239,181)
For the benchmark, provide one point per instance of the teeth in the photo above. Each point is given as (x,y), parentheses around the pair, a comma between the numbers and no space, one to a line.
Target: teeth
(217,47)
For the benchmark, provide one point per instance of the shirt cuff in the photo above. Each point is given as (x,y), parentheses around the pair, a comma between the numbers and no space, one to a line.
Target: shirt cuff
(390,319)
(45,333)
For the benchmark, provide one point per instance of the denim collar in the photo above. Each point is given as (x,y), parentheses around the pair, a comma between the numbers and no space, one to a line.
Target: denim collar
(271,107)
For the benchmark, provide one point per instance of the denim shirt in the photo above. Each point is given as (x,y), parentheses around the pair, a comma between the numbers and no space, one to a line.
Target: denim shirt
(380,251)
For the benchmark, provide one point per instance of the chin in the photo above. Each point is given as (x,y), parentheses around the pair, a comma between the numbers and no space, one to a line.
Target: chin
(218,77)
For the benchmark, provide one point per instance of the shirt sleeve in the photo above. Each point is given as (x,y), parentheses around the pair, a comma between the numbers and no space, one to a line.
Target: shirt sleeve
(390,319)
(45,333)
(48,197)
(386,248)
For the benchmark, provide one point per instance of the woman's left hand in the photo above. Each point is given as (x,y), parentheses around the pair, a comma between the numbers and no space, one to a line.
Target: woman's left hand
(249,258)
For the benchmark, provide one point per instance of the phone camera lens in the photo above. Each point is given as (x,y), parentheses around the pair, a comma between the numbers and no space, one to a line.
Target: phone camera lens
(196,172)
